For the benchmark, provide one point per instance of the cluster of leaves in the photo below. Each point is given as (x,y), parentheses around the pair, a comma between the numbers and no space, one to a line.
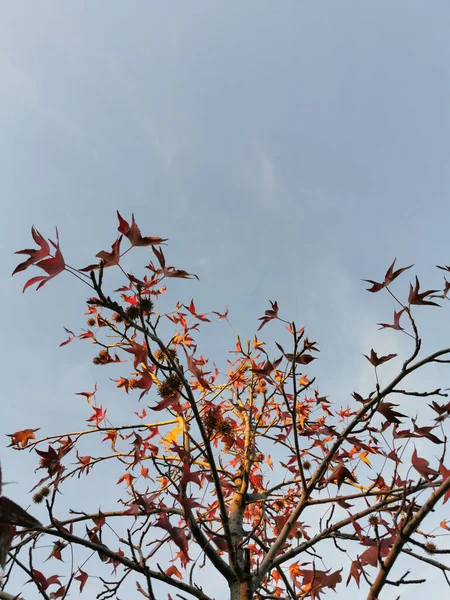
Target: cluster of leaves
(198,484)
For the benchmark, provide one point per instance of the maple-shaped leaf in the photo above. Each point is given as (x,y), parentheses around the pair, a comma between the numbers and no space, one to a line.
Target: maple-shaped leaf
(88,395)
(21,438)
(269,314)
(355,572)
(52,265)
(133,233)
(69,339)
(418,298)
(339,474)
(191,308)
(426,432)
(376,360)
(178,535)
(173,571)
(388,412)
(82,577)
(221,315)
(391,274)
(58,547)
(396,325)
(98,416)
(112,258)
(43,582)
(422,466)
(190,476)
(198,373)
(388,278)
(128,478)
(35,255)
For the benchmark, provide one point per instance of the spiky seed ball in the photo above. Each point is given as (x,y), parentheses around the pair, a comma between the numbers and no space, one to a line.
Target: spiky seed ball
(306,465)
(96,360)
(374,520)
(159,355)
(146,305)
(224,428)
(132,312)
(103,353)
(174,382)
(431,548)
(117,318)
(169,387)
(38,498)
(45,491)
(92,322)
(278,505)
(211,419)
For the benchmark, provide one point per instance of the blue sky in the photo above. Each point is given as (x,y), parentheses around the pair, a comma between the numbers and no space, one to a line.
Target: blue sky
(286,149)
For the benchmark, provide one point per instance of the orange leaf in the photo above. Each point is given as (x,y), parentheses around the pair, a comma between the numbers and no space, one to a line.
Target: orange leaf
(22,437)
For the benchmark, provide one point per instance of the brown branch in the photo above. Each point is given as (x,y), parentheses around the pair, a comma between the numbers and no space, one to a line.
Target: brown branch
(404,535)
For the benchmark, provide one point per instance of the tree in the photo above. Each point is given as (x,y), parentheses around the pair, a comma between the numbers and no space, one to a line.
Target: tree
(247,470)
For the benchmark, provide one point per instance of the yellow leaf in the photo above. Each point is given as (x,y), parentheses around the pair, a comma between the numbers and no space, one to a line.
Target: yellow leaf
(257,344)
(363,457)
(172,436)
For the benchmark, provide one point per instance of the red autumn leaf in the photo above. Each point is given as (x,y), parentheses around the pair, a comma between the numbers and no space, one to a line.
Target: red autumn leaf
(391,274)
(271,313)
(339,474)
(178,535)
(133,233)
(58,547)
(196,371)
(221,315)
(145,382)
(192,310)
(88,395)
(369,557)
(426,432)
(190,476)
(128,478)
(396,325)
(110,258)
(82,578)
(22,437)
(140,353)
(98,416)
(376,360)
(355,572)
(445,475)
(35,255)
(53,265)
(391,415)
(69,339)
(417,298)
(43,582)
(388,278)
(422,466)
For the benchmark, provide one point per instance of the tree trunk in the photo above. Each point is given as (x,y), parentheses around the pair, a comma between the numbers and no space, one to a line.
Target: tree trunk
(241,590)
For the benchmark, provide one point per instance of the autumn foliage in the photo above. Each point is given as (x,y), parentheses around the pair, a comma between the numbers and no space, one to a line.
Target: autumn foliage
(239,468)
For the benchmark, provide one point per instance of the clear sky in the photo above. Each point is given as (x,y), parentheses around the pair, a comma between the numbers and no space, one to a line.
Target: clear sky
(287,150)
